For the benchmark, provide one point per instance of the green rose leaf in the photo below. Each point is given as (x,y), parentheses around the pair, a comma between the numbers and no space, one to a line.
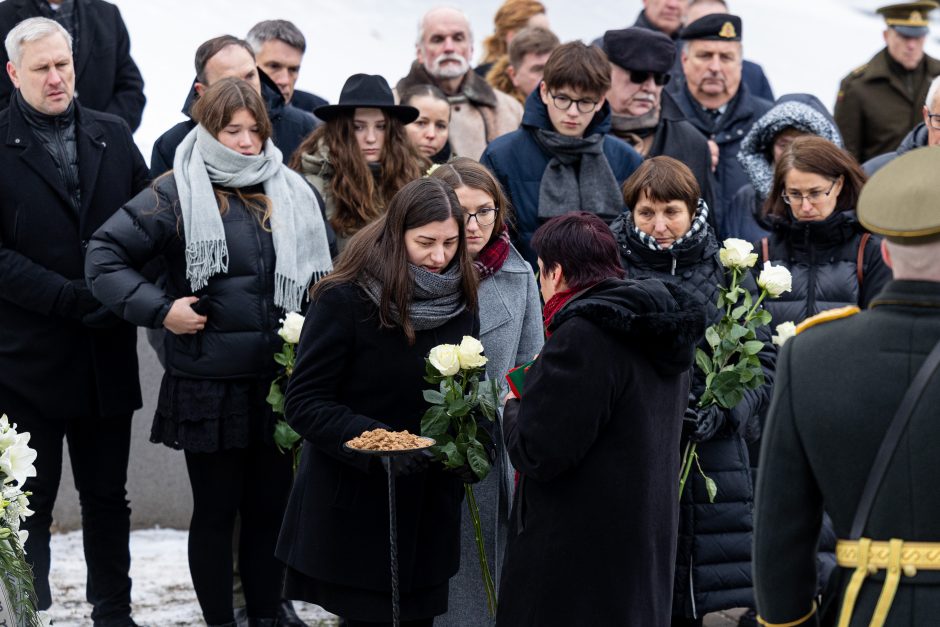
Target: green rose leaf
(282,359)
(711,336)
(703,361)
(711,488)
(284,436)
(434,397)
(434,423)
(732,296)
(458,408)
(726,388)
(753,347)
(739,311)
(738,331)
(479,463)
(275,397)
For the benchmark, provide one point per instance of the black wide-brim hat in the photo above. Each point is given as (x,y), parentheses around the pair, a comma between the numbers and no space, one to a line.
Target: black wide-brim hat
(367,91)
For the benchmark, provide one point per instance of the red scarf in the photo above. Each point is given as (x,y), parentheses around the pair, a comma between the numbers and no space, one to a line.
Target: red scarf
(554,305)
(493,255)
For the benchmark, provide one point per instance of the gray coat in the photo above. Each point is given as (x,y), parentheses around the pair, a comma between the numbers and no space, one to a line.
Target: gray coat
(511,333)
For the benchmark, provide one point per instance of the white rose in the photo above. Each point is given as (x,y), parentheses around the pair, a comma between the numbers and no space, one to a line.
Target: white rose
(785,330)
(445,359)
(775,279)
(470,353)
(16,462)
(291,327)
(736,253)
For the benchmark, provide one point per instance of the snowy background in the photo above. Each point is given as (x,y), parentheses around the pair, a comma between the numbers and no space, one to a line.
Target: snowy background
(803,45)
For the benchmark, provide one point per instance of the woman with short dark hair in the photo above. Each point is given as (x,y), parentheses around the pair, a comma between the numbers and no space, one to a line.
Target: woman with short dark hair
(665,235)
(403,285)
(814,232)
(595,437)
(242,238)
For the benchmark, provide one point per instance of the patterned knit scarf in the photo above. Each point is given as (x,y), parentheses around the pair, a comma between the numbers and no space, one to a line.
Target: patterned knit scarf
(436,297)
(493,255)
(698,226)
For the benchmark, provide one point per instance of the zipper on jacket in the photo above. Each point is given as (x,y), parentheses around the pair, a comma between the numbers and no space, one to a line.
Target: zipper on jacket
(811,277)
(264,274)
(674,262)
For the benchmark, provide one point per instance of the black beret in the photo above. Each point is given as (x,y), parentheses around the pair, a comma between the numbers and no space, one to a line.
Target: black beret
(714,27)
(640,49)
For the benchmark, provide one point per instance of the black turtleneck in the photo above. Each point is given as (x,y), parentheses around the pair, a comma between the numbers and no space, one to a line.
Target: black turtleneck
(57,135)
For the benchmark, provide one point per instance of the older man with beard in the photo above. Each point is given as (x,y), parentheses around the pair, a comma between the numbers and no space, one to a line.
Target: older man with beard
(713,98)
(479,113)
(643,114)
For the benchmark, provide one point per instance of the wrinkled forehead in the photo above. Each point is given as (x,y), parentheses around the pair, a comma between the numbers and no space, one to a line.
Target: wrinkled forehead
(445,22)
(53,47)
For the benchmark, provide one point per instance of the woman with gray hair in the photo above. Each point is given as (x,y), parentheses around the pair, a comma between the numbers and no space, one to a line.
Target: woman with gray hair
(793,115)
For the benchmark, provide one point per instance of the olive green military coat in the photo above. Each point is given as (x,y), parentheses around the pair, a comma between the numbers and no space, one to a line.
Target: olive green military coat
(877,106)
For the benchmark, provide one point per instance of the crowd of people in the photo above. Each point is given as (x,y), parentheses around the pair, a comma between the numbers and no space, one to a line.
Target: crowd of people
(564,203)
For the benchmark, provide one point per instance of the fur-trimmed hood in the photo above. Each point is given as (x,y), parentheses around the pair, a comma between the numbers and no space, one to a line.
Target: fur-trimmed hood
(800,111)
(664,321)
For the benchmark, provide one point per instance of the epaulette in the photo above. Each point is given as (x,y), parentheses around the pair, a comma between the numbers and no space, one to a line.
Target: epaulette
(827,316)
(859,70)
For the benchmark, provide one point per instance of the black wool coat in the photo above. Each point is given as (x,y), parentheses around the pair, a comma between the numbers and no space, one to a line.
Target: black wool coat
(289,127)
(106,77)
(839,385)
(352,376)
(596,438)
(240,337)
(713,559)
(823,259)
(54,365)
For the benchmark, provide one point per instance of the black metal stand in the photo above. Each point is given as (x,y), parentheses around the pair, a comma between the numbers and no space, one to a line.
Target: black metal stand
(393,539)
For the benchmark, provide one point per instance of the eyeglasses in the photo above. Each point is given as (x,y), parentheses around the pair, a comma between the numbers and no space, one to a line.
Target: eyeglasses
(584,105)
(485,216)
(638,77)
(796,200)
(933,121)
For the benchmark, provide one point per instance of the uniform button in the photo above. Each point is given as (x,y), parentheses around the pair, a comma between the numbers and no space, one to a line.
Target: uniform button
(16,141)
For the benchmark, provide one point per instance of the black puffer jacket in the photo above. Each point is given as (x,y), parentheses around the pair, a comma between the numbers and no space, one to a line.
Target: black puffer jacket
(241,333)
(823,259)
(713,560)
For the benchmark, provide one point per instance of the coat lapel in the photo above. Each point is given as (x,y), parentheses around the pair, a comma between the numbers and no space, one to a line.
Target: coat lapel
(86,36)
(91,146)
(34,154)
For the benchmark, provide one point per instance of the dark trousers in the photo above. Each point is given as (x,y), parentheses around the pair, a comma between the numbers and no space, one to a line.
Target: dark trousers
(98,448)
(253,484)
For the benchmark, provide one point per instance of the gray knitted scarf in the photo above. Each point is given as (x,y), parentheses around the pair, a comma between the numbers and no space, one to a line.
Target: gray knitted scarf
(578,177)
(300,242)
(436,298)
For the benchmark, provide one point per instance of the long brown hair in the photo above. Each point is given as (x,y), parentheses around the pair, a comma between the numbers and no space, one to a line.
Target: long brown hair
(214,109)
(358,200)
(464,172)
(378,251)
(816,155)
(512,15)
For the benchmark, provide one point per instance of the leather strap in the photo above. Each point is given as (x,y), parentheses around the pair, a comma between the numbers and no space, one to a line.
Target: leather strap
(891,439)
(860,258)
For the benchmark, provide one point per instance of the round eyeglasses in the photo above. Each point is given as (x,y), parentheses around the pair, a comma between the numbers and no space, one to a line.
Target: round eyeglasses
(584,105)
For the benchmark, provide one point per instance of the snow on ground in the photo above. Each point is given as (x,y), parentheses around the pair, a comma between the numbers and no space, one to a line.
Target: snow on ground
(162,592)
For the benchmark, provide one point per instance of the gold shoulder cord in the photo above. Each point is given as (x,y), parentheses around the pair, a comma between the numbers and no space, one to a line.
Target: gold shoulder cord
(792,623)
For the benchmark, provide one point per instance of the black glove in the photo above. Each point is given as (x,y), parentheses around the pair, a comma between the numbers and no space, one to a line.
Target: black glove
(465,473)
(700,425)
(411,463)
(75,301)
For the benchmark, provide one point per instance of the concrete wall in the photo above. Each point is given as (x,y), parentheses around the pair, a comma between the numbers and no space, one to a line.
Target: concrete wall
(157,483)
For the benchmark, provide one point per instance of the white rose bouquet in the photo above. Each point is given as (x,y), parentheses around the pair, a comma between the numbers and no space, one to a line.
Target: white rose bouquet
(461,397)
(733,365)
(16,577)
(285,438)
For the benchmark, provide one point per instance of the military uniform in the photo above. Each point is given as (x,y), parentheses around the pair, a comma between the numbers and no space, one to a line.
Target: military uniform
(839,384)
(880,102)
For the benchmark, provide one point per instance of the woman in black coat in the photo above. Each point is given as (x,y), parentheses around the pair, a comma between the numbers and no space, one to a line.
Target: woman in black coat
(241,238)
(834,262)
(596,440)
(666,236)
(403,285)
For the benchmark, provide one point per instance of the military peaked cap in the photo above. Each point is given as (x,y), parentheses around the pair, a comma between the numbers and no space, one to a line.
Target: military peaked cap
(714,27)
(901,201)
(910,18)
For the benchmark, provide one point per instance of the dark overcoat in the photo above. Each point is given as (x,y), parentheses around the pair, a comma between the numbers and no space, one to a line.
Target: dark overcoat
(596,439)
(353,376)
(55,366)
(838,386)
(519,162)
(106,77)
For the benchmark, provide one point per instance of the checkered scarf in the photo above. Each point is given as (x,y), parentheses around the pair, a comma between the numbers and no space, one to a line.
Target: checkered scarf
(698,226)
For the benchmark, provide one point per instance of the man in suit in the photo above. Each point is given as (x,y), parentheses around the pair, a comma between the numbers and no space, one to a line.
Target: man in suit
(68,367)
(827,446)
(106,76)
